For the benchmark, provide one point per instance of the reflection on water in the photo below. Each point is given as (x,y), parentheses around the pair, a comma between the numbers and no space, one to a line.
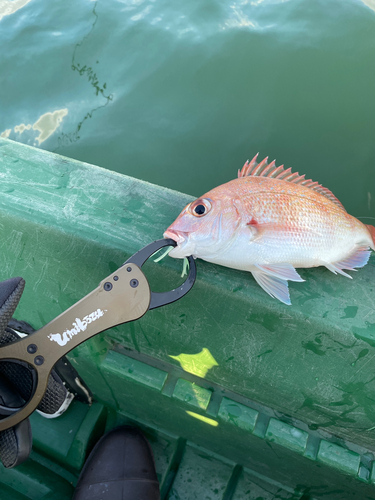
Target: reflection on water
(21,128)
(369,3)
(49,122)
(8,7)
(238,19)
(6,133)
(45,124)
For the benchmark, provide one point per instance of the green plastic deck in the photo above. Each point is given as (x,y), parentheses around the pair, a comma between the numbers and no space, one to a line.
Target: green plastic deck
(81,425)
(192,394)
(337,456)
(238,414)
(287,435)
(134,370)
(245,397)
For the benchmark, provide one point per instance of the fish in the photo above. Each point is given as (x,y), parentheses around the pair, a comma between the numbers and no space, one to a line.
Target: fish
(270,221)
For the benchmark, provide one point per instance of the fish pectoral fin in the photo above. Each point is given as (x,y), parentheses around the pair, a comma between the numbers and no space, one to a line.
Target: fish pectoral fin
(281,271)
(276,287)
(358,258)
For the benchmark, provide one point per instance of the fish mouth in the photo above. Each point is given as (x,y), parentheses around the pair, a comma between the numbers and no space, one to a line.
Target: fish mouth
(178,236)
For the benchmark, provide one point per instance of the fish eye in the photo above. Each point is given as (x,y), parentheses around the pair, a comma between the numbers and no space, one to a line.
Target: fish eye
(200,208)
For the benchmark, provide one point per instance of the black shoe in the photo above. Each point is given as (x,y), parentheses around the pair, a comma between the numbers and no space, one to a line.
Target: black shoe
(57,398)
(16,380)
(120,467)
(64,383)
(16,442)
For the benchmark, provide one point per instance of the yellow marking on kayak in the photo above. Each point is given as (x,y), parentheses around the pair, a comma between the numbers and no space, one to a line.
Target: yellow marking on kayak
(206,420)
(197,364)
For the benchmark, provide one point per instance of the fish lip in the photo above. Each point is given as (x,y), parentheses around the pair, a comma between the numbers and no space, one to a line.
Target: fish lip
(177,236)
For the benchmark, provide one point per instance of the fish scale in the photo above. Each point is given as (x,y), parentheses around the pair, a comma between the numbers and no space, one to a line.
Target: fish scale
(270,221)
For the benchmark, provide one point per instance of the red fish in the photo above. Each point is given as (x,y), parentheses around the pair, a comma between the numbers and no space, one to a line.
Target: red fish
(270,221)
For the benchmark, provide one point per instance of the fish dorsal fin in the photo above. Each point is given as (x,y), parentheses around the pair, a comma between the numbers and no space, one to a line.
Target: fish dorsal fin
(265,169)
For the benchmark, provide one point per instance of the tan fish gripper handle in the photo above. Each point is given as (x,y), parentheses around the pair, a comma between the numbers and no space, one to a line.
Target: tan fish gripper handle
(121,297)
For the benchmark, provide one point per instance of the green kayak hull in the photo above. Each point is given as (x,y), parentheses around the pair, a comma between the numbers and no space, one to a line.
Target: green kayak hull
(240,396)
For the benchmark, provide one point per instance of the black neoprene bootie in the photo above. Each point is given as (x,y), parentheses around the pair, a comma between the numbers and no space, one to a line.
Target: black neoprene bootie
(120,467)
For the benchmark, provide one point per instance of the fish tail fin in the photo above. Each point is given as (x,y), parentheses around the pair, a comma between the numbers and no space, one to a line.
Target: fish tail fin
(372,232)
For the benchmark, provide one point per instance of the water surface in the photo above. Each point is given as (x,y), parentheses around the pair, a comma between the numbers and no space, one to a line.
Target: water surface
(182,93)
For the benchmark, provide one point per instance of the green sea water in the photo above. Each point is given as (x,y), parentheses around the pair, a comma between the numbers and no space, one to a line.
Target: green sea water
(182,93)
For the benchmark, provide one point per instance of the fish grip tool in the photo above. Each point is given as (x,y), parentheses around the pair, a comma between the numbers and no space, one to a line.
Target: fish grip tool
(121,297)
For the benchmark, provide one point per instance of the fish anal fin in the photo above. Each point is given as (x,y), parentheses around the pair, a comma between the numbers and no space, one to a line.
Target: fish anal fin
(263,169)
(358,258)
(281,271)
(334,269)
(275,287)
(273,278)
